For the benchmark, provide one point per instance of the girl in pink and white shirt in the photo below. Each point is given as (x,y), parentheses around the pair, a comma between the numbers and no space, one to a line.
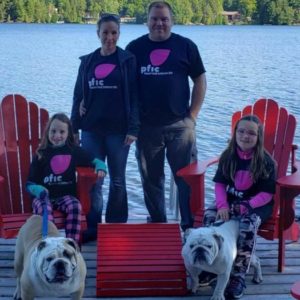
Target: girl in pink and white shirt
(244,188)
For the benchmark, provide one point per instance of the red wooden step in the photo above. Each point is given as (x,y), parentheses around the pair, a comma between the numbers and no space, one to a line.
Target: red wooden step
(140,260)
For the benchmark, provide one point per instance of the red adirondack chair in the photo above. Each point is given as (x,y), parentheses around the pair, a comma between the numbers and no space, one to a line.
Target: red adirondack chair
(279,130)
(21,126)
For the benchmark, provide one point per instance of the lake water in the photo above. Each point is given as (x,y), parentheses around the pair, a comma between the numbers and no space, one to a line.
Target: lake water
(243,63)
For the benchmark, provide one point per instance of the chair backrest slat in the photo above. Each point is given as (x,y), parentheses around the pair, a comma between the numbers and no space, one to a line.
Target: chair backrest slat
(267,110)
(21,126)
(12,153)
(287,142)
(5,203)
(24,148)
(34,125)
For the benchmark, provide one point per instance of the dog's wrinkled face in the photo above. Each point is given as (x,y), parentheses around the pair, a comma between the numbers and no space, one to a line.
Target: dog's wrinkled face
(202,246)
(56,259)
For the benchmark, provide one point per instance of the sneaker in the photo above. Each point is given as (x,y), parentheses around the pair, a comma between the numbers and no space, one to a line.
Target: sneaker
(235,289)
(206,278)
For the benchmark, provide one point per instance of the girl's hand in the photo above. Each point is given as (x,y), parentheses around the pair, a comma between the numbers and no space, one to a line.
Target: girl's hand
(82,109)
(243,210)
(101,174)
(223,214)
(129,139)
(100,167)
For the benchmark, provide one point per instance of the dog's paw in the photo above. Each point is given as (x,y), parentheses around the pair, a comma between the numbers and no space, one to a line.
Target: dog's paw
(257,279)
(195,288)
(257,274)
(217,297)
(17,295)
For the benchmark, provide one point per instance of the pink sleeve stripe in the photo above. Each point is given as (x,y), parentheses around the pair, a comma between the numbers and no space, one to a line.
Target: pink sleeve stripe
(260,199)
(221,196)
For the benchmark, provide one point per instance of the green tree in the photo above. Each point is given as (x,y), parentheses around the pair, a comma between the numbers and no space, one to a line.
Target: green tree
(231,4)
(30,6)
(212,10)
(16,10)
(112,6)
(295,4)
(247,7)
(182,11)
(276,12)
(197,12)
(73,10)
(40,12)
(3,10)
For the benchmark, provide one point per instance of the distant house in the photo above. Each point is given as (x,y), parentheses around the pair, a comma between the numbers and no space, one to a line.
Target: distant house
(127,19)
(232,16)
(89,19)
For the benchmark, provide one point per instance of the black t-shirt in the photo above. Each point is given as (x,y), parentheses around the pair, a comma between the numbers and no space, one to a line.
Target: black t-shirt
(243,187)
(107,107)
(56,171)
(164,69)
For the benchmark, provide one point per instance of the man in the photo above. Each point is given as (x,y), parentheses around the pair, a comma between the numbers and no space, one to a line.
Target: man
(165,62)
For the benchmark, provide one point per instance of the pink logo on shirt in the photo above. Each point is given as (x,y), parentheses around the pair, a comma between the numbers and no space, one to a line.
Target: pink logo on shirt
(60,163)
(103,70)
(159,56)
(243,180)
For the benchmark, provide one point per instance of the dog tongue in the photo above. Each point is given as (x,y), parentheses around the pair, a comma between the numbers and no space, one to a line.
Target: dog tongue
(60,278)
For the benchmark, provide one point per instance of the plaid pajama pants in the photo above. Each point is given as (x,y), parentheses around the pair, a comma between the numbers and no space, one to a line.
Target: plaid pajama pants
(66,204)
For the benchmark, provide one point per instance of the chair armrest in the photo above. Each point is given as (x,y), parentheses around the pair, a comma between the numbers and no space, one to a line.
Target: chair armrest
(197,168)
(288,188)
(293,180)
(3,195)
(193,175)
(86,178)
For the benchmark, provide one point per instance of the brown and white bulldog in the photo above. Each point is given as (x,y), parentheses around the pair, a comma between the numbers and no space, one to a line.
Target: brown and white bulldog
(214,249)
(50,267)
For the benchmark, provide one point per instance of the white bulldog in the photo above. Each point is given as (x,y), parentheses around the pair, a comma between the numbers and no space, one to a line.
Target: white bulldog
(213,249)
(50,267)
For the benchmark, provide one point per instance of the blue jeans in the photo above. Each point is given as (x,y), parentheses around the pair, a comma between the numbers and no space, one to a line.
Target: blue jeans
(112,149)
(177,142)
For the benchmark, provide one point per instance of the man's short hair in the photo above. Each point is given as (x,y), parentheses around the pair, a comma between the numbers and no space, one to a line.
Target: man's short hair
(160,4)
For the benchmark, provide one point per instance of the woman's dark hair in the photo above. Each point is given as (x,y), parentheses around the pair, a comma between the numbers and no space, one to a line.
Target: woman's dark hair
(107,17)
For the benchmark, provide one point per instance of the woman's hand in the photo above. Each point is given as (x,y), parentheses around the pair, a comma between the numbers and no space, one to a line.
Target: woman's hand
(129,139)
(82,109)
(223,213)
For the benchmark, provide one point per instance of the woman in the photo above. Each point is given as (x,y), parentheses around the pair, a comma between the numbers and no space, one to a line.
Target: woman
(105,108)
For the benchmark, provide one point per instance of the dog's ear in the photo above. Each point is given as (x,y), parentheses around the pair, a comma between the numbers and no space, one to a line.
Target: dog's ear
(188,231)
(73,244)
(219,239)
(41,245)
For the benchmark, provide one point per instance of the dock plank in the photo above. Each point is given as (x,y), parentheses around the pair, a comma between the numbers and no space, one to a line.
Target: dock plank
(274,286)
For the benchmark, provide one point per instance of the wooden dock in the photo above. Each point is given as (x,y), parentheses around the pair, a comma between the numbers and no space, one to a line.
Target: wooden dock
(274,286)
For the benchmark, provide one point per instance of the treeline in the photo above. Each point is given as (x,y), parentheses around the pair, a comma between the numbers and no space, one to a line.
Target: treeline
(276,12)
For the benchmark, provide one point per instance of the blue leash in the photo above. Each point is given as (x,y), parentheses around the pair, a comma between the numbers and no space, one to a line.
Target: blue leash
(45,217)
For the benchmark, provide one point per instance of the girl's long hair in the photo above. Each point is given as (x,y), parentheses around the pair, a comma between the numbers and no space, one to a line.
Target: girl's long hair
(259,165)
(45,140)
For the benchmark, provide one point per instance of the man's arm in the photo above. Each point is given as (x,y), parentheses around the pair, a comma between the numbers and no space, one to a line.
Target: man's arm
(198,94)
